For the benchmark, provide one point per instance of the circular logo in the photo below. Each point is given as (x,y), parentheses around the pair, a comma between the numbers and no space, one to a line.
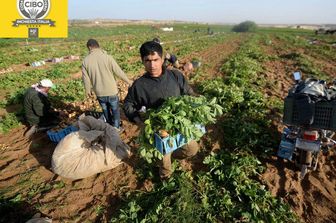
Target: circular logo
(33,9)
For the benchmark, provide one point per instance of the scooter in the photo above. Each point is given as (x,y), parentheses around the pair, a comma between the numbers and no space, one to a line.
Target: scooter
(303,141)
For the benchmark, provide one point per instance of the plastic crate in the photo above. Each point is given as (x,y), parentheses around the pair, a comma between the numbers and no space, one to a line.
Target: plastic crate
(165,145)
(181,140)
(59,135)
(324,115)
(170,143)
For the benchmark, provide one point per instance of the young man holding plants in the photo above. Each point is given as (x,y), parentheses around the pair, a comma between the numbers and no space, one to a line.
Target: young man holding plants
(151,90)
(98,72)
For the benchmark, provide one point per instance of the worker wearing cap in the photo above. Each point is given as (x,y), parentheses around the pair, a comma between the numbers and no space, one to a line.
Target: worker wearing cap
(37,107)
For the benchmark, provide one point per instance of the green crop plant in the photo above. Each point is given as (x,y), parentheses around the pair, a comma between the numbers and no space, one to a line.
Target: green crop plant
(99,210)
(180,115)
(63,70)
(70,91)
(225,193)
(243,197)
(59,185)
(171,201)
(8,122)
(38,189)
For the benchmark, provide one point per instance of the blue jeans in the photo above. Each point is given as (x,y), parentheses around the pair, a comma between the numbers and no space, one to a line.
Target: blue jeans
(110,106)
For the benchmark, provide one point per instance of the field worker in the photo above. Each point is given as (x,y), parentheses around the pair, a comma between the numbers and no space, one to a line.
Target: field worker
(169,59)
(150,91)
(190,66)
(37,108)
(99,70)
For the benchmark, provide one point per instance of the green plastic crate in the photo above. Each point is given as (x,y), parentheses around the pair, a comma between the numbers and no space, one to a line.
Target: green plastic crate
(324,117)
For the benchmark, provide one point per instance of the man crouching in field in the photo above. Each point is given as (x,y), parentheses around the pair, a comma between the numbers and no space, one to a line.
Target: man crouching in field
(151,89)
(37,108)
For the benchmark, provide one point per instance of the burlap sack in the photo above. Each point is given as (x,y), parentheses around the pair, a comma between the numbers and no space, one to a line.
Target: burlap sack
(95,148)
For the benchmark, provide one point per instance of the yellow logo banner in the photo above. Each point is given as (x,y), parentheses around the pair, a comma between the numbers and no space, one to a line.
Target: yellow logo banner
(34,19)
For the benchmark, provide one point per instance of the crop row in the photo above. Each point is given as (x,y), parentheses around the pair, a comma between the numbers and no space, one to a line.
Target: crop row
(124,51)
(227,191)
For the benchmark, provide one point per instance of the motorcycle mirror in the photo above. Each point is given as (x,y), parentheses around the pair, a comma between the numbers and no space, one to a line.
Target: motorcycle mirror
(297,76)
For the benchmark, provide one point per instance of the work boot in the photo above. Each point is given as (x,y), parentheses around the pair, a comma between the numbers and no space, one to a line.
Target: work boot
(31,131)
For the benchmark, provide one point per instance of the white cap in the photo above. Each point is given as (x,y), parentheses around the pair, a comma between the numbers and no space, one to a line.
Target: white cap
(46,83)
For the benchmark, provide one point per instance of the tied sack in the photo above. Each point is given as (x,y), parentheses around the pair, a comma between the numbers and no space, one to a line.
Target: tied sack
(95,148)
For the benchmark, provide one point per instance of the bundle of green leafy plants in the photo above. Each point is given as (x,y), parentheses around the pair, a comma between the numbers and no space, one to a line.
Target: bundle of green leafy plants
(180,115)
(177,115)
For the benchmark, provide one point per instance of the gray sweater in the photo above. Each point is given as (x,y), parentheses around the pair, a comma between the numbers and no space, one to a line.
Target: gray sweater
(98,72)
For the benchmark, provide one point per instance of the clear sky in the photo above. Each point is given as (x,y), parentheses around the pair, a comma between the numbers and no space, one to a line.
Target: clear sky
(223,11)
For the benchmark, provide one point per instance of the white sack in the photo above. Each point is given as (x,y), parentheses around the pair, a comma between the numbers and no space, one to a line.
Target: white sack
(95,148)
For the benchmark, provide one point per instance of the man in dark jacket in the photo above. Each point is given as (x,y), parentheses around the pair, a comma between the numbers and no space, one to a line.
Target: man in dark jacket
(150,91)
(37,108)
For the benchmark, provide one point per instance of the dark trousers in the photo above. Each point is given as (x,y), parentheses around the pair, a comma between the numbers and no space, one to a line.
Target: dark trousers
(49,119)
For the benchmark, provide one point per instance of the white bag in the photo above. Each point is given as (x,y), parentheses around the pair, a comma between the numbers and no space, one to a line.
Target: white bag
(95,148)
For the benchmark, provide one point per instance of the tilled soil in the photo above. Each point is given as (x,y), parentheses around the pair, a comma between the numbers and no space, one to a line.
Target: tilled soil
(25,164)
(313,198)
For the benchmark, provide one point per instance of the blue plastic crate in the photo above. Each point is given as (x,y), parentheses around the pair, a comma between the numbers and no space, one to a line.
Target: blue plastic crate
(169,144)
(181,140)
(165,145)
(201,127)
(59,135)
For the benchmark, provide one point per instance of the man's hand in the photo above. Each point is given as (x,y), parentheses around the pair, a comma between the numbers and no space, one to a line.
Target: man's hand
(163,133)
(90,94)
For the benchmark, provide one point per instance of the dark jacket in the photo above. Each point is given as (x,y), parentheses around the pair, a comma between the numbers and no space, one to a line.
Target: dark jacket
(152,91)
(170,59)
(36,106)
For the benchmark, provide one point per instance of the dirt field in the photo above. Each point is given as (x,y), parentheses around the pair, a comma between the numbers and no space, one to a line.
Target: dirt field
(25,164)
(314,197)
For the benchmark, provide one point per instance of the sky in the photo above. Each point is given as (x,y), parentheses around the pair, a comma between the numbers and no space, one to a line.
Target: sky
(211,11)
